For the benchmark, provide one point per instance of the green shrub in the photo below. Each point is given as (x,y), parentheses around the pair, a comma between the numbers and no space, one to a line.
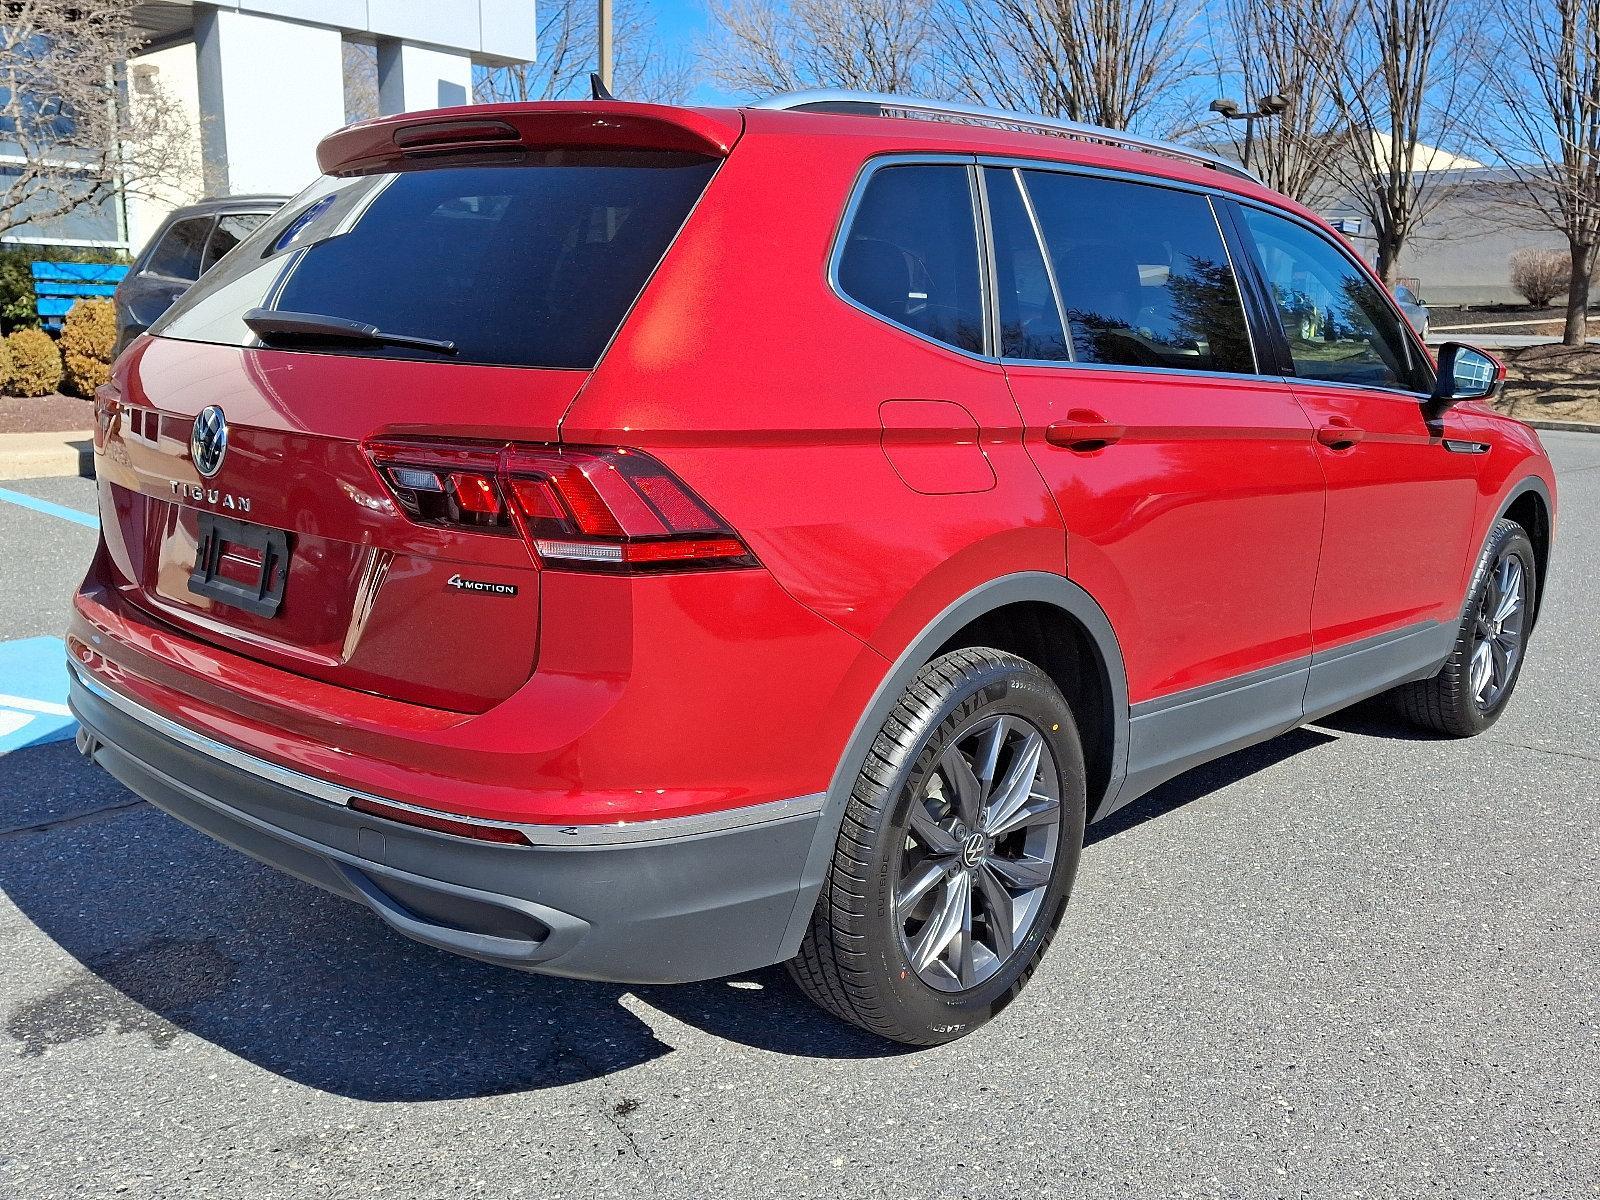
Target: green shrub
(87,338)
(35,363)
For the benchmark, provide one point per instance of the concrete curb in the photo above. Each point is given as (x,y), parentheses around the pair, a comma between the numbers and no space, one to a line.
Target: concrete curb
(35,455)
(1563,426)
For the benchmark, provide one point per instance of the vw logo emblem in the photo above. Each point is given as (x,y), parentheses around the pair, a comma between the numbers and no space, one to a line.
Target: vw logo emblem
(973,849)
(209,441)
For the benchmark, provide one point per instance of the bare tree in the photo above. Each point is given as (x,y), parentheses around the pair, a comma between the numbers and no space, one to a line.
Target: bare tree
(66,113)
(1260,51)
(1547,85)
(568,38)
(1118,63)
(1398,94)
(757,47)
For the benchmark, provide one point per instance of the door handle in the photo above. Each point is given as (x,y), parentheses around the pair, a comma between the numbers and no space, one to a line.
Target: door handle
(1339,434)
(1084,431)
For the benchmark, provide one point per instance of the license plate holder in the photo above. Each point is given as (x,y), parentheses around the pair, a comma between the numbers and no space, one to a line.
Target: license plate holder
(240,564)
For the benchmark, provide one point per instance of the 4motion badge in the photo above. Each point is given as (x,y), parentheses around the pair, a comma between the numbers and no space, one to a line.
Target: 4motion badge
(483,586)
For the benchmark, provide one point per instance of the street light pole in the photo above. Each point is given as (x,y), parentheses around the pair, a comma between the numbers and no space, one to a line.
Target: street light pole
(1268,106)
(605,44)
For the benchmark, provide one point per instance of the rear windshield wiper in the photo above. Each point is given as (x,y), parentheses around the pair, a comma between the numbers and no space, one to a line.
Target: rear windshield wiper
(270,325)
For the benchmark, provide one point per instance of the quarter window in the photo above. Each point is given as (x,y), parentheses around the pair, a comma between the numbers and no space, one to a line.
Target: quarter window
(912,253)
(1144,277)
(1339,326)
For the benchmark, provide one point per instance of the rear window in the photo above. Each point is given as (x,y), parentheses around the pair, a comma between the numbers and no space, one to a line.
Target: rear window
(528,264)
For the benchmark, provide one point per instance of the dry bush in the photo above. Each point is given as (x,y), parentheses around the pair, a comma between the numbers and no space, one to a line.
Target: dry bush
(35,363)
(1540,275)
(87,339)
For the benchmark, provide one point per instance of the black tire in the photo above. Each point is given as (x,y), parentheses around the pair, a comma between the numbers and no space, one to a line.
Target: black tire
(854,961)
(1448,703)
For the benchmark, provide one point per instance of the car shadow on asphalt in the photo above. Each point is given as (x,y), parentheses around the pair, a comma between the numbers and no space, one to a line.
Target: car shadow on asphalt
(1205,779)
(169,932)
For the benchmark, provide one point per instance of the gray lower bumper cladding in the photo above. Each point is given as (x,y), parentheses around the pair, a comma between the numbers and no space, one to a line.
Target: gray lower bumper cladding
(683,901)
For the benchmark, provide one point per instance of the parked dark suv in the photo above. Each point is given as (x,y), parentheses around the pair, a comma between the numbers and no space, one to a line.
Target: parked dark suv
(646,543)
(189,243)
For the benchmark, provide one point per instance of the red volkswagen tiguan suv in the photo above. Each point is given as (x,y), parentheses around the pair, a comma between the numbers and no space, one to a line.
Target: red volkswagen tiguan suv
(646,543)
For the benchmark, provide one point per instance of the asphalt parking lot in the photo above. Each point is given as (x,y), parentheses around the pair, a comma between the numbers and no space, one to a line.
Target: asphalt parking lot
(1350,962)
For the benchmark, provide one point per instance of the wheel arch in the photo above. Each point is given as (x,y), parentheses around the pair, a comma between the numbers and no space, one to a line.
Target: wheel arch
(1004,607)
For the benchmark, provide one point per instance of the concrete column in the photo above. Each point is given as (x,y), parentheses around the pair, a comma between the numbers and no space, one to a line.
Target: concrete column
(270,90)
(412,77)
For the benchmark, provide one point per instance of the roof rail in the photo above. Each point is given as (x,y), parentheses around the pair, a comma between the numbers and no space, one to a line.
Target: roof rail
(885,104)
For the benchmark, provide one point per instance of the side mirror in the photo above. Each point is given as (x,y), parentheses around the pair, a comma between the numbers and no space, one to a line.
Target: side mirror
(1465,373)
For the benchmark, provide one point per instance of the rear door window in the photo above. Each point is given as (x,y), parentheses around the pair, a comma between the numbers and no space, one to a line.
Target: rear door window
(178,254)
(1339,326)
(911,253)
(1144,276)
(532,263)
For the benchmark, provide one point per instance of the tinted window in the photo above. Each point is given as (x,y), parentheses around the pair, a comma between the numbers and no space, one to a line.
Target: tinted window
(912,253)
(230,231)
(1340,327)
(1030,322)
(531,263)
(1145,280)
(178,254)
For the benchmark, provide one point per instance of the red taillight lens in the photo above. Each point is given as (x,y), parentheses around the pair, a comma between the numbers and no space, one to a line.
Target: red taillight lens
(583,508)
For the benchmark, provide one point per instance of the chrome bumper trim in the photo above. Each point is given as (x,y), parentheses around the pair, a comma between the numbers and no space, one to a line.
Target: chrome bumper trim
(328,792)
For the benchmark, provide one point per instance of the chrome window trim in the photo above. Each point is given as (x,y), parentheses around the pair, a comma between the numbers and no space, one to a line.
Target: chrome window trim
(842,236)
(327,792)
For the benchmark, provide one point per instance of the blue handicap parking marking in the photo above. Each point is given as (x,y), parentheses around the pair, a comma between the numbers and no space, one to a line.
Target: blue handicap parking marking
(33,693)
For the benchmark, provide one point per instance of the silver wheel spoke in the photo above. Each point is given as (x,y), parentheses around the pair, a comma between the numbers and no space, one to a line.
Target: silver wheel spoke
(945,925)
(1482,669)
(1500,663)
(968,791)
(1017,787)
(1024,874)
(989,761)
(1000,911)
(918,884)
(930,833)
(1039,810)
(966,964)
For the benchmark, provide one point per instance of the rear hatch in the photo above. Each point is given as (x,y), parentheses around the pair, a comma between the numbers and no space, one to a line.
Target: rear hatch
(454,295)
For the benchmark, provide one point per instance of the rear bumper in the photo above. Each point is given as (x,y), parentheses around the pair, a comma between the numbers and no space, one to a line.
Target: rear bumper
(661,901)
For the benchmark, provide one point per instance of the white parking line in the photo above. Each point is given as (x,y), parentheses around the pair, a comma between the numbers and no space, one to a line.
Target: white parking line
(43,707)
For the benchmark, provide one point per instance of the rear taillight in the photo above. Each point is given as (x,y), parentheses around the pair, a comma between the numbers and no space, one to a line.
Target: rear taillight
(582,508)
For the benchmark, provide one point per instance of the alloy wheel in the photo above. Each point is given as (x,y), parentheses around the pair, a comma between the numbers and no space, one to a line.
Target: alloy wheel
(1497,633)
(979,853)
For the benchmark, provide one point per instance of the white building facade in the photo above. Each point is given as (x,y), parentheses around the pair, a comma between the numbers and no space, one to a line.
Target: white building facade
(264,80)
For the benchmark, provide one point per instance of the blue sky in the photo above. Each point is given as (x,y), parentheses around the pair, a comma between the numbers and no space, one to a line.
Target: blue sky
(679,24)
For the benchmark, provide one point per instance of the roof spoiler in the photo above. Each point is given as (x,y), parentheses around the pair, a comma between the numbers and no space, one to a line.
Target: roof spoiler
(409,139)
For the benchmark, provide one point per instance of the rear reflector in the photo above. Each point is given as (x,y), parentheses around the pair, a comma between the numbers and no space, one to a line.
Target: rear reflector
(450,825)
(585,508)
